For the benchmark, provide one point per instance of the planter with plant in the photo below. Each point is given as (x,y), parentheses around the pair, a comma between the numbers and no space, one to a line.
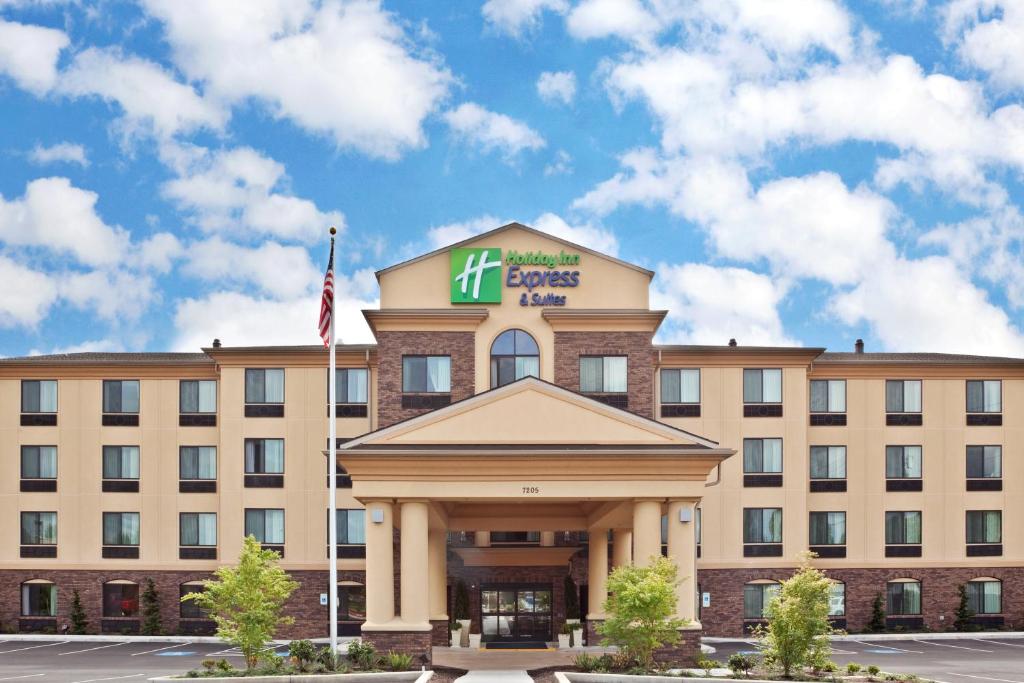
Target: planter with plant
(455,634)
(462,610)
(474,641)
(564,636)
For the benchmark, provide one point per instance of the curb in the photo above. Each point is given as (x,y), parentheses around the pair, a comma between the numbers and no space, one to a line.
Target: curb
(184,640)
(958,635)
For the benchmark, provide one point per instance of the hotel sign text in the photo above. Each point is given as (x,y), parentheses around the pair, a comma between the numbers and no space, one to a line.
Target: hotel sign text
(476,275)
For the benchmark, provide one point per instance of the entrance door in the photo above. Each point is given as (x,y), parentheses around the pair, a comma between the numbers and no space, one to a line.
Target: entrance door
(516,613)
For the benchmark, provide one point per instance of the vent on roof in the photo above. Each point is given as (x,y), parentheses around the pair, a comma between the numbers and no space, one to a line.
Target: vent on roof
(216,343)
(858,346)
(732,342)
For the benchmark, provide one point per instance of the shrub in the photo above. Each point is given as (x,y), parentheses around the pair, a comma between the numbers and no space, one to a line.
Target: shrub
(224,665)
(461,600)
(587,663)
(873,671)
(853,668)
(303,651)
(327,660)
(151,625)
(640,607)
(798,625)
(741,664)
(79,623)
(398,661)
(964,613)
(209,664)
(362,655)
(572,599)
(877,622)
(708,665)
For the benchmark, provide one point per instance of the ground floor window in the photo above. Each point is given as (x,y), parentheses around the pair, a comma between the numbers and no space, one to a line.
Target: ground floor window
(904,598)
(985,596)
(121,599)
(351,602)
(38,600)
(837,599)
(756,597)
(189,608)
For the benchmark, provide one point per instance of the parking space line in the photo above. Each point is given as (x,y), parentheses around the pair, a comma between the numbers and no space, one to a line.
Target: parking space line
(984,678)
(90,649)
(958,647)
(886,647)
(14,678)
(996,642)
(169,647)
(63,642)
(115,678)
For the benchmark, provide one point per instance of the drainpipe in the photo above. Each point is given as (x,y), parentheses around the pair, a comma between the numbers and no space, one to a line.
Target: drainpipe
(369,392)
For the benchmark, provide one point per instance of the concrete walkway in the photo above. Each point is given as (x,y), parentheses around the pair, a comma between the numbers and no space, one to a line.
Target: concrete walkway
(495,676)
(507,660)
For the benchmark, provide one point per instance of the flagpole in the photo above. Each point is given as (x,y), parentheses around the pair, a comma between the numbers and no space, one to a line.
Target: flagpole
(332,520)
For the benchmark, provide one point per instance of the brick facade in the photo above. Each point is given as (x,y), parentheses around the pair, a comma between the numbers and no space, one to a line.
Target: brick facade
(415,643)
(637,348)
(391,346)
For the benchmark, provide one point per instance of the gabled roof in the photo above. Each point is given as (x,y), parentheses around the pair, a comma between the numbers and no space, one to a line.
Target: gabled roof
(925,358)
(526,228)
(104,358)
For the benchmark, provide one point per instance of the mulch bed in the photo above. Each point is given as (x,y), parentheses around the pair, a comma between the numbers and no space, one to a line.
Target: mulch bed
(547,674)
(447,674)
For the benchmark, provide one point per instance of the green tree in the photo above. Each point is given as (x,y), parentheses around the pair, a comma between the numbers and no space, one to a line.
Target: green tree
(151,625)
(964,613)
(640,605)
(79,624)
(877,623)
(245,601)
(461,600)
(798,625)
(572,599)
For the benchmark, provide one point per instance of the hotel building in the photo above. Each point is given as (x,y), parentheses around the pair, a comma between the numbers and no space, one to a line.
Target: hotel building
(513,425)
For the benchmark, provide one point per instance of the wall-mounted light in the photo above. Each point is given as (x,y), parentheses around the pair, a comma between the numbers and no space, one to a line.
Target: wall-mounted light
(685,514)
(377,515)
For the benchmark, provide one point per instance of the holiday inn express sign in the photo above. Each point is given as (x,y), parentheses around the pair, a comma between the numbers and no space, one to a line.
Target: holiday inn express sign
(477,278)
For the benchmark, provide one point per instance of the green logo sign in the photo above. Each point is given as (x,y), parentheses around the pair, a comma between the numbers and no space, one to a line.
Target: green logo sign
(476,275)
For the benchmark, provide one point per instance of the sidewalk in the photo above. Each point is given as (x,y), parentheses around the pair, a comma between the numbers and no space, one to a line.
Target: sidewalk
(943,635)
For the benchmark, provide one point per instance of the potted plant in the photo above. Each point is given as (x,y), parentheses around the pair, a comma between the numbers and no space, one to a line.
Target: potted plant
(564,635)
(474,641)
(462,608)
(455,634)
(572,601)
(577,634)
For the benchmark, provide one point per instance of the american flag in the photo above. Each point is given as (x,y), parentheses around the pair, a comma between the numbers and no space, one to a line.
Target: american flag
(327,301)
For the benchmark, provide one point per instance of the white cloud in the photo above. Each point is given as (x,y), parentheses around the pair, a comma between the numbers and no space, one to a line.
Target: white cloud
(28,54)
(591,236)
(275,270)
(110,294)
(560,165)
(342,69)
(240,190)
(628,19)
(516,17)
(159,251)
(62,152)
(557,86)
(55,215)
(108,345)
(450,233)
(491,131)
(27,295)
(989,34)
(957,174)
(709,305)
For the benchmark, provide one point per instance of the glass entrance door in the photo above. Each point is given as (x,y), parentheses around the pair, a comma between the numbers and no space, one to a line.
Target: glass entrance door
(516,613)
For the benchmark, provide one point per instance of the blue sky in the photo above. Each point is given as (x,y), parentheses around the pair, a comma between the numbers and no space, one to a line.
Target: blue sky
(797,172)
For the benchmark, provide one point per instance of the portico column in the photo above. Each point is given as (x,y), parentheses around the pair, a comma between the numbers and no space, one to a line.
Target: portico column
(415,588)
(437,567)
(482,539)
(380,567)
(597,573)
(547,539)
(622,548)
(682,549)
(646,531)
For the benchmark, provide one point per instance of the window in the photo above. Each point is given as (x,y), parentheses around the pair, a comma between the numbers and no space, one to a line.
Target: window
(984,462)
(762,525)
(827,528)
(680,385)
(349,385)
(984,396)
(837,599)
(514,355)
(512,537)
(828,462)
(603,374)
(351,527)
(120,462)
(762,385)
(903,396)
(351,602)
(197,462)
(902,462)
(426,374)
(189,609)
(828,395)
(197,396)
(120,528)
(902,528)
(197,528)
(266,526)
(39,528)
(38,462)
(985,596)
(39,396)
(762,456)
(756,597)
(121,396)
(264,385)
(264,456)
(903,598)
(120,599)
(38,599)
(984,526)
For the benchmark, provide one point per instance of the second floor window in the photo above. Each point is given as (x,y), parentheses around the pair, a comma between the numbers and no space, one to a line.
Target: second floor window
(264,456)
(903,528)
(120,528)
(426,374)
(762,385)
(984,462)
(39,528)
(903,396)
(120,462)
(265,525)
(680,385)
(902,462)
(198,528)
(762,525)
(264,385)
(828,462)
(197,462)
(120,396)
(984,526)
(828,395)
(603,374)
(197,396)
(827,528)
(351,529)
(984,396)
(38,462)
(514,355)
(349,385)
(762,456)
(39,396)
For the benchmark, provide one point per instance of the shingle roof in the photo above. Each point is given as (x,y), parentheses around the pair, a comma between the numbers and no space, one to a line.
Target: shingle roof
(93,357)
(934,358)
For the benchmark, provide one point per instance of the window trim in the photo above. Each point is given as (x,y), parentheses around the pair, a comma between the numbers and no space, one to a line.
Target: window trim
(903,398)
(984,580)
(264,402)
(604,390)
(762,402)
(284,527)
(103,523)
(967,407)
(216,468)
(21,401)
(680,402)
(103,395)
(967,527)
(103,457)
(245,458)
(903,446)
(198,544)
(810,459)
(828,394)
(338,527)
(21,462)
(920,598)
(810,541)
(782,456)
(121,582)
(21,526)
(967,461)
(21,598)
(885,530)
(762,541)
(216,399)
(347,370)
(491,357)
(426,366)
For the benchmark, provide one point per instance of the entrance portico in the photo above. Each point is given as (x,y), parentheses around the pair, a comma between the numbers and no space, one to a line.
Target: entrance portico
(528,456)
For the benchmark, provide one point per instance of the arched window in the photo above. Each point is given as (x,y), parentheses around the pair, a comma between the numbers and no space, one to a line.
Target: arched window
(120,599)
(514,355)
(351,601)
(189,608)
(985,595)
(38,598)
(757,595)
(837,599)
(903,597)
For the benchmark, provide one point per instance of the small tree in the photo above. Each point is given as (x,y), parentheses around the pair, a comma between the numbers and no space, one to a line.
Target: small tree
(572,599)
(461,600)
(79,624)
(798,625)
(877,623)
(245,601)
(151,610)
(964,613)
(640,605)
